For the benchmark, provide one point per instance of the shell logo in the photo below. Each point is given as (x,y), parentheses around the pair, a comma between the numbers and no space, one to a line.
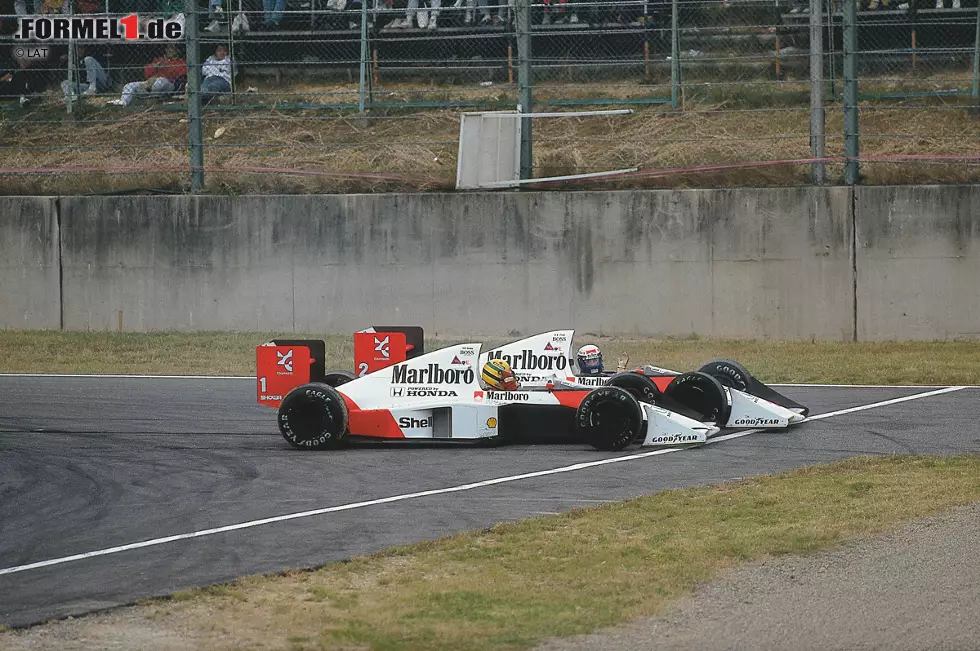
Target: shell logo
(492,422)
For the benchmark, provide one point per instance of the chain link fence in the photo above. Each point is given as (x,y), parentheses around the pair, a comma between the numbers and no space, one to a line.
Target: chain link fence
(330,95)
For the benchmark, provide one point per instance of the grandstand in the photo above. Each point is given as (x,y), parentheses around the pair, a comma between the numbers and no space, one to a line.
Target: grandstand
(736,93)
(717,41)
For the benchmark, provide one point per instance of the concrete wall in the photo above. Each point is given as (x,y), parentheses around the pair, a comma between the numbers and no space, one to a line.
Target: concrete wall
(772,263)
(918,262)
(29,264)
(179,263)
(750,263)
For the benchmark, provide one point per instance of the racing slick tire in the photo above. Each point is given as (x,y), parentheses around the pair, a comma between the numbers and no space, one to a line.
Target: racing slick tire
(729,372)
(639,386)
(313,417)
(610,418)
(336,378)
(702,393)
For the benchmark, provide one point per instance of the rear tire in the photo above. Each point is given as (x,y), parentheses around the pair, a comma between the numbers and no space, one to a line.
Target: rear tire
(639,386)
(337,378)
(702,393)
(313,417)
(729,372)
(610,418)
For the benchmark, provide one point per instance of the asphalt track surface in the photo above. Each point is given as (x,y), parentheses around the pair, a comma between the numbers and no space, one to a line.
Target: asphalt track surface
(91,465)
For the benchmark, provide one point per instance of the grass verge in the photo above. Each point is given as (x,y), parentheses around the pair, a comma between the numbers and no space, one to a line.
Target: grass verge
(223,353)
(514,585)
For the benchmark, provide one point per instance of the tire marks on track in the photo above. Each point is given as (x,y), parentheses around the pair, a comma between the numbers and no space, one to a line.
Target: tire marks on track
(438,491)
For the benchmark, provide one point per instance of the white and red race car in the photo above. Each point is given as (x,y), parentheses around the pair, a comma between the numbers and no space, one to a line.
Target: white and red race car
(402,393)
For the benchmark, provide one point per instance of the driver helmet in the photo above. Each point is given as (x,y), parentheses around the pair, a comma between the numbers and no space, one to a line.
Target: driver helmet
(497,374)
(589,360)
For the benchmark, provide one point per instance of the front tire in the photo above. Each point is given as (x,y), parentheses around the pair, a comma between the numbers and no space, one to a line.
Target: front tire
(610,418)
(703,394)
(313,417)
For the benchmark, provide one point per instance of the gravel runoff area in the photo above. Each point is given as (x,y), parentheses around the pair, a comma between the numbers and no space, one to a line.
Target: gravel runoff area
(914,588)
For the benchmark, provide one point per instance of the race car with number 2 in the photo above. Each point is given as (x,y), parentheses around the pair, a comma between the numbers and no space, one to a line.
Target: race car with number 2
(403,394)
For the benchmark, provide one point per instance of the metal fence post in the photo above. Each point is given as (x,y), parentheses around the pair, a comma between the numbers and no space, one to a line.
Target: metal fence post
(362,90)
(851,135)
(976,58)
(72,67)
(675,54)
(195,125)
(832,59)
(816,91)
(523,8)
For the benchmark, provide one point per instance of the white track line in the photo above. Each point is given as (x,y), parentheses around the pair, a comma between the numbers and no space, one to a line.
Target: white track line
(437,491)
(875,386)
(342,507)
(884,403)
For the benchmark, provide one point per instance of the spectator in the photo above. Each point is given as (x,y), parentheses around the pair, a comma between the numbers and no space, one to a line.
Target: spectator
(171,9)
(20,7)
(273,13)
(87,6)
(16,81)
(554,12)
(166,74)
(502,7)
(216,74)
(484,12)
(91,70)
(54,7)
(216,14)
(353,6)
(426,19)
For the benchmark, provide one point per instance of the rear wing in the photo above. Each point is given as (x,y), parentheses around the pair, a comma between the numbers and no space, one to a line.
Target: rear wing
(379,347)
(283,364)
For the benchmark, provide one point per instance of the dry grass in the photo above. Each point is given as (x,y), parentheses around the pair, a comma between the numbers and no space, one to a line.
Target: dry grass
(399,150)
(514,585)
(225,353)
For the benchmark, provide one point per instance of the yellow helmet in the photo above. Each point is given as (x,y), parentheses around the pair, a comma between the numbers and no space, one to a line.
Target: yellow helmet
(499,375)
